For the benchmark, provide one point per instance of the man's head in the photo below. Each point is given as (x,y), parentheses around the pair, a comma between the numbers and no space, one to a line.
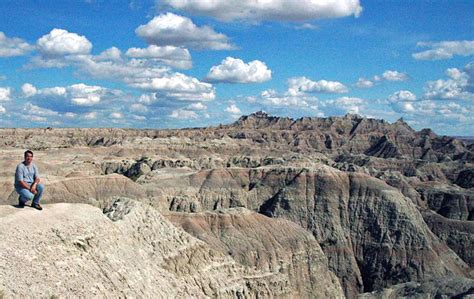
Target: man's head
(28,157)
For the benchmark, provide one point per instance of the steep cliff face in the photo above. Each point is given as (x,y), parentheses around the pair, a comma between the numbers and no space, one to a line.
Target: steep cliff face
(275,246)
(372,235)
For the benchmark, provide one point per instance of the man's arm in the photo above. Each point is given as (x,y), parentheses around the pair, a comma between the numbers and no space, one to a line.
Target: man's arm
(19,178)
(36,182)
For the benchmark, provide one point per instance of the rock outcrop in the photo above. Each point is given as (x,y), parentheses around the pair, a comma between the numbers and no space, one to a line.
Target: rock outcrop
(386,205)
(74,250)
(276,246)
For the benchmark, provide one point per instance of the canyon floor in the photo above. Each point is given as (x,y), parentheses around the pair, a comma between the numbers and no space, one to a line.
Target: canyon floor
(263,207)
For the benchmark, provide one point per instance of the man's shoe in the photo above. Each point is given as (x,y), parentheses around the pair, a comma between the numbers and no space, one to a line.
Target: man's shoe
(21,204)
(36,206)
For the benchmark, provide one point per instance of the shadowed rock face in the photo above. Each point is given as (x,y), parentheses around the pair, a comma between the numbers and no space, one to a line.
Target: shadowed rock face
(386,204)
(271,245)
(372,235)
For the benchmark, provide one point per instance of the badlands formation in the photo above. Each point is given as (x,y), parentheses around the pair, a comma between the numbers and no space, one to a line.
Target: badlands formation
(264,207)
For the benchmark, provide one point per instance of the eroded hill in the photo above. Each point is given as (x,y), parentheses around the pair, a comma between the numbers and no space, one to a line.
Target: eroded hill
(309,207)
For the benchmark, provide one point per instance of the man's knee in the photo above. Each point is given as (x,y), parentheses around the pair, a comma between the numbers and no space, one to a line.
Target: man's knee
(40,187)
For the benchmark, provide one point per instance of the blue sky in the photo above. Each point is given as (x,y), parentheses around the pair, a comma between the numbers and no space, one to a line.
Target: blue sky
(188,63)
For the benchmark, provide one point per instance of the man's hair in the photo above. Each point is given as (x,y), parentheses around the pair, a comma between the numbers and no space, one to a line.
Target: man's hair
(28,152)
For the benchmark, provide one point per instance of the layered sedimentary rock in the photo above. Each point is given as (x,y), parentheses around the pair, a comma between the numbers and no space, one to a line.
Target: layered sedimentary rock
(385,203)
(75,250)
(271,245)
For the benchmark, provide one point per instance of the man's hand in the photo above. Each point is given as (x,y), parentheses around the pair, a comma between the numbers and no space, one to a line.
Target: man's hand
(33,189)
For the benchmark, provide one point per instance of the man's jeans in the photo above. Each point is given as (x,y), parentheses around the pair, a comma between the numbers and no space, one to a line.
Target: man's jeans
(26,195)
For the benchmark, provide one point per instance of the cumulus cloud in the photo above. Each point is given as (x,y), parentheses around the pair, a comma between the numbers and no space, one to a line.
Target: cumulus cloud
(13,46)
(183,114)
(234,70)
(5,93)
(147,98)
(2,109)
(178,86)
(60,42)
(273,98)
(173,56)
(280,10)
(444,50)
(30,109)
(402,101)
(394,76)
(233,109)
(90,115)
(345,105)
(173,30)
(197,106)
(402,95)
(303,84)
(458,86)
(112,53)
(28,90)
(76,96)
(116,115)
(84,95)
(364,83)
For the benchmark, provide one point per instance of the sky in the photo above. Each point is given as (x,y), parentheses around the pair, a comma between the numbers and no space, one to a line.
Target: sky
(195,63)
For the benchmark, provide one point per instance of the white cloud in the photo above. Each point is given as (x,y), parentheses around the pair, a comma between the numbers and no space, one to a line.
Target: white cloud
(147,98)
(444,50)
(345,104)
(90,115)
(2,109)
(138,108)
(126,71)
(233,109)
(10,47)
(70,115)
(60,42)
(402,101)
(457,87)
(57,91)
(30,109)
(364,83)
(84,95)
(303,84)
(116,115)
(257,10)
(5,93)
(233,70)
(394,76)
(28,90)
(272,98)
(34,118)
(197,106)
(402,95)
(112,53)
(178,86)
(173,30)
(306,26)
(170,55)
(183,114)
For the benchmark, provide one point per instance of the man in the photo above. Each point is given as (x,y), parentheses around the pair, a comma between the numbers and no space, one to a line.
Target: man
(27,182)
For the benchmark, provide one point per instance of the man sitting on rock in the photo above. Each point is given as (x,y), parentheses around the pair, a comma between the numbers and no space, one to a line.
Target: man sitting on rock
(27,182)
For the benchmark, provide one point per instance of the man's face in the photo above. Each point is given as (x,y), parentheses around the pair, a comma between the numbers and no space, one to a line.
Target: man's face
(28,158)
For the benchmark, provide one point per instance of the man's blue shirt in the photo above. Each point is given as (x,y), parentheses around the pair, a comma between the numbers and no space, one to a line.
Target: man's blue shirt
(24,173)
